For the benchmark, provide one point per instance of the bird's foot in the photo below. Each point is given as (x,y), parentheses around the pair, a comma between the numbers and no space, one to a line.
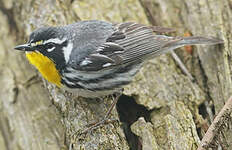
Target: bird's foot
(95,125)
(106,120)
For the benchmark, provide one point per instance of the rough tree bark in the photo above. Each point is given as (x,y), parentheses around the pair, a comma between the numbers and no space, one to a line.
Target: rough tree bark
(161,109)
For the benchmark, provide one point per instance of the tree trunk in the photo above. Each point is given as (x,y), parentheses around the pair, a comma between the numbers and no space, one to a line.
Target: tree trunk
(161,109)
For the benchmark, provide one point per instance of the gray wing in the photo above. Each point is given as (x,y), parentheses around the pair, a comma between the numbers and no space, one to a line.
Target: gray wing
(130,42)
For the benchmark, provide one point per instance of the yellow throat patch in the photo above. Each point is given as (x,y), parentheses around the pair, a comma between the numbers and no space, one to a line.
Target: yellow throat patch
(45,66)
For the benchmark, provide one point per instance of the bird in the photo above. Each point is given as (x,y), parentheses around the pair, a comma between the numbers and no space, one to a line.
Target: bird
(94,58)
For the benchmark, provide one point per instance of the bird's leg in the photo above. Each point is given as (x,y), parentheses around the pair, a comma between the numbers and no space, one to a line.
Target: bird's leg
(106,119)
(115,100)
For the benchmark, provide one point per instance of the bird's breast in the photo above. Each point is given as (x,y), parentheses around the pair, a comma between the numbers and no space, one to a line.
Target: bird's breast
(45,66)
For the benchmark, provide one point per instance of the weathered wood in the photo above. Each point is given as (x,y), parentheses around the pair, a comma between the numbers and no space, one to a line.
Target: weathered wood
(210,65)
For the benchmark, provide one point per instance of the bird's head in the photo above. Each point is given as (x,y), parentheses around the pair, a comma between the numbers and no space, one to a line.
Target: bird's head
(46,50)
(50,42)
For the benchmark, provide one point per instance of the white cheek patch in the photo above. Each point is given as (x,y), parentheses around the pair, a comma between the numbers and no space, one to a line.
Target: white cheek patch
(67,51)
(50,49)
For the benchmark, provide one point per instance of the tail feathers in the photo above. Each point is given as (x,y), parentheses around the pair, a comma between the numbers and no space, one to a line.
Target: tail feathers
(196,40)
(171,43)
(177,42)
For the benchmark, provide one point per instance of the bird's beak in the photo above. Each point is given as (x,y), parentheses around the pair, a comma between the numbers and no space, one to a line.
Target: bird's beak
(24,47)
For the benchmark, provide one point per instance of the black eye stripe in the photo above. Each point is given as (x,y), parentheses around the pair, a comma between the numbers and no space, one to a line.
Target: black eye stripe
(49,45)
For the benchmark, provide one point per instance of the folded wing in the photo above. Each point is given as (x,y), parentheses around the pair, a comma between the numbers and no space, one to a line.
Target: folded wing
(132,42)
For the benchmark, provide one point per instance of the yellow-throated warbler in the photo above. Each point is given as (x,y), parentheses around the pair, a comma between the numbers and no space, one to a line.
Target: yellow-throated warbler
(96,58)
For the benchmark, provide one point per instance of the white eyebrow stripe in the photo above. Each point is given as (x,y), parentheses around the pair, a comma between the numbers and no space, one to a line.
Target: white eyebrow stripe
(55,40)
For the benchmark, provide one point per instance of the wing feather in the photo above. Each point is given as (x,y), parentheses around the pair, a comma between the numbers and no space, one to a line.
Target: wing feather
(130,42)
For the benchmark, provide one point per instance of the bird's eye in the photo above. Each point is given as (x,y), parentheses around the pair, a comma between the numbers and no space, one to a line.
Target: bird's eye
(50,47)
